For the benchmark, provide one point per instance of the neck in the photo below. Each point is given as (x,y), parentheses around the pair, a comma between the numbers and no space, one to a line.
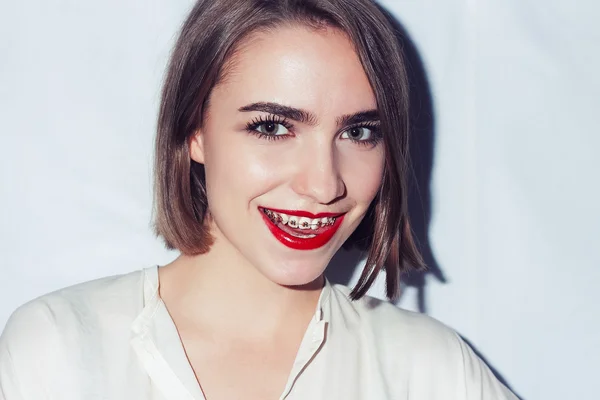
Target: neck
(220,292)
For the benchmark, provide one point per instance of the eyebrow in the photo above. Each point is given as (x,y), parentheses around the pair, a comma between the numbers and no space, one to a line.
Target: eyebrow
(358,118)
(296,114)
(306,117)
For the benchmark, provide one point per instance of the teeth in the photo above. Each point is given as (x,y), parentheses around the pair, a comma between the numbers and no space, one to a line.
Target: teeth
(304,223)
(314,224)
(284,218)
(299,222)
(293,222)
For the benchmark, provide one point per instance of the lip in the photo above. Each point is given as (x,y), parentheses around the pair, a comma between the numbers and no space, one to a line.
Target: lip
(297,243)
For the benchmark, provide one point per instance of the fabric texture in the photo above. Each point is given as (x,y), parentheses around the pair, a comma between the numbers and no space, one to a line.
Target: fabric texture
(113,338)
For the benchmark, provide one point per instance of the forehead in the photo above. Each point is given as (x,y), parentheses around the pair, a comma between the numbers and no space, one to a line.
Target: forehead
(317,70)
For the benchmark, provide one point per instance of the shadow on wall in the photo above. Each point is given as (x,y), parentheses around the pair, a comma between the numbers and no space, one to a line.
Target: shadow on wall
(343,265)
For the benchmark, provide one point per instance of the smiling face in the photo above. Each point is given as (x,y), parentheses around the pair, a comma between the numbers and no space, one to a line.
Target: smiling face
(290,140)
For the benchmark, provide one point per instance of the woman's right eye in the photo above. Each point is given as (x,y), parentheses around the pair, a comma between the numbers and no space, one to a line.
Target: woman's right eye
(271,129)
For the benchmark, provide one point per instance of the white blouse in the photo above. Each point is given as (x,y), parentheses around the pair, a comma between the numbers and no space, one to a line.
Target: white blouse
(113,338)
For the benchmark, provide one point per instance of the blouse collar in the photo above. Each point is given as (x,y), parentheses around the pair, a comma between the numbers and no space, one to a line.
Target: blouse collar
(159,348)
(152,300)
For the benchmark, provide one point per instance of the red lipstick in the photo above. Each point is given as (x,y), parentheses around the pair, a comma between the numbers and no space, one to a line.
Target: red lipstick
(298,243)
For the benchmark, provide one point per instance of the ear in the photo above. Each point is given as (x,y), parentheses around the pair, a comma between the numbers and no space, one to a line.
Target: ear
(196,145)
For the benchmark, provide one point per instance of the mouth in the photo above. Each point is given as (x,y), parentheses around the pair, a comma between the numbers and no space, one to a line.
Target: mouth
(301,230)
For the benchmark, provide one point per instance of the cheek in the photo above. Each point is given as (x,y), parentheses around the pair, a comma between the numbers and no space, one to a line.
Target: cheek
(363,174)
(238,169)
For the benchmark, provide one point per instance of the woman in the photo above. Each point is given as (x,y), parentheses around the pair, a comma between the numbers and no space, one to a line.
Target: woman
(282,136)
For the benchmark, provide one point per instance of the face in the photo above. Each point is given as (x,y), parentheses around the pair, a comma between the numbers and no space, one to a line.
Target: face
(292,153)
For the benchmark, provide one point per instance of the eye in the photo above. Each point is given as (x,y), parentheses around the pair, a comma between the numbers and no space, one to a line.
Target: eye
(271,128)
(358,134)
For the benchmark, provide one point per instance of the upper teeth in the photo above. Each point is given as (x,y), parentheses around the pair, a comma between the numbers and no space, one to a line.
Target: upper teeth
(299,222)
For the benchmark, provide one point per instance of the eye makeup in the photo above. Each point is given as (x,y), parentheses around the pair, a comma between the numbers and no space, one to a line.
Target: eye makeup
(373,126)
(266,127)
(270,123)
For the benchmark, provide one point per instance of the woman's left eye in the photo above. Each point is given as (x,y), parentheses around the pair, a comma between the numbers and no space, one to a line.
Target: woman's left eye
(359,134)
(271,129)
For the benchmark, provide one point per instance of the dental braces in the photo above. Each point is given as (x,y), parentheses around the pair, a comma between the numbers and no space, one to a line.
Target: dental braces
(293,223)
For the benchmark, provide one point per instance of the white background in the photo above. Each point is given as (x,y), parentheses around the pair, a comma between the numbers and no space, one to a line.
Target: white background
(515,225)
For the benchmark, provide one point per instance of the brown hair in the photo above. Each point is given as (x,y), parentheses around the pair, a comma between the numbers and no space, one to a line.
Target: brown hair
(208,39)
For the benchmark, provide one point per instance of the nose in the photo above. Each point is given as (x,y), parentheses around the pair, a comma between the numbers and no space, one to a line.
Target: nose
(318,175)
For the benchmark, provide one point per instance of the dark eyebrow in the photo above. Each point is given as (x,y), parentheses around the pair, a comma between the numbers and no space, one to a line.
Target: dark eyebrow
(295,114)
(306,117)
(358,118)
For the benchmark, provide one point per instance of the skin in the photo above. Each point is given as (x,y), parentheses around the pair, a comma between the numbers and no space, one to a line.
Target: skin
(253,297)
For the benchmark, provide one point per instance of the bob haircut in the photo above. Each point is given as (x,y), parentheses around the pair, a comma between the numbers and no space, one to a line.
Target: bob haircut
(210,36)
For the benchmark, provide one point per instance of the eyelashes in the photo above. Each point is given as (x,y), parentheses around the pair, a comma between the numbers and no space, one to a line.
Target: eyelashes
(270,119)
(270,128)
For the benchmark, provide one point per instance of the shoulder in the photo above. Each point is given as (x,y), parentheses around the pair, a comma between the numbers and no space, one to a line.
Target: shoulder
(75,310)
(113,296)
(421,349)
(394,325)
(399,339)
(51,338)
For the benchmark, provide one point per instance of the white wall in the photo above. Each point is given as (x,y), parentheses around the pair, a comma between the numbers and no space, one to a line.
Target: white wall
(515,228)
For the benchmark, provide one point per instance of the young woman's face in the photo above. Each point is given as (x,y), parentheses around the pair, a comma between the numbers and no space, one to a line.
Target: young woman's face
(292,152)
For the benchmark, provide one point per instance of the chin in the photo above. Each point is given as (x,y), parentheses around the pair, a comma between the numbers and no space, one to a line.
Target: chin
(296,275)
